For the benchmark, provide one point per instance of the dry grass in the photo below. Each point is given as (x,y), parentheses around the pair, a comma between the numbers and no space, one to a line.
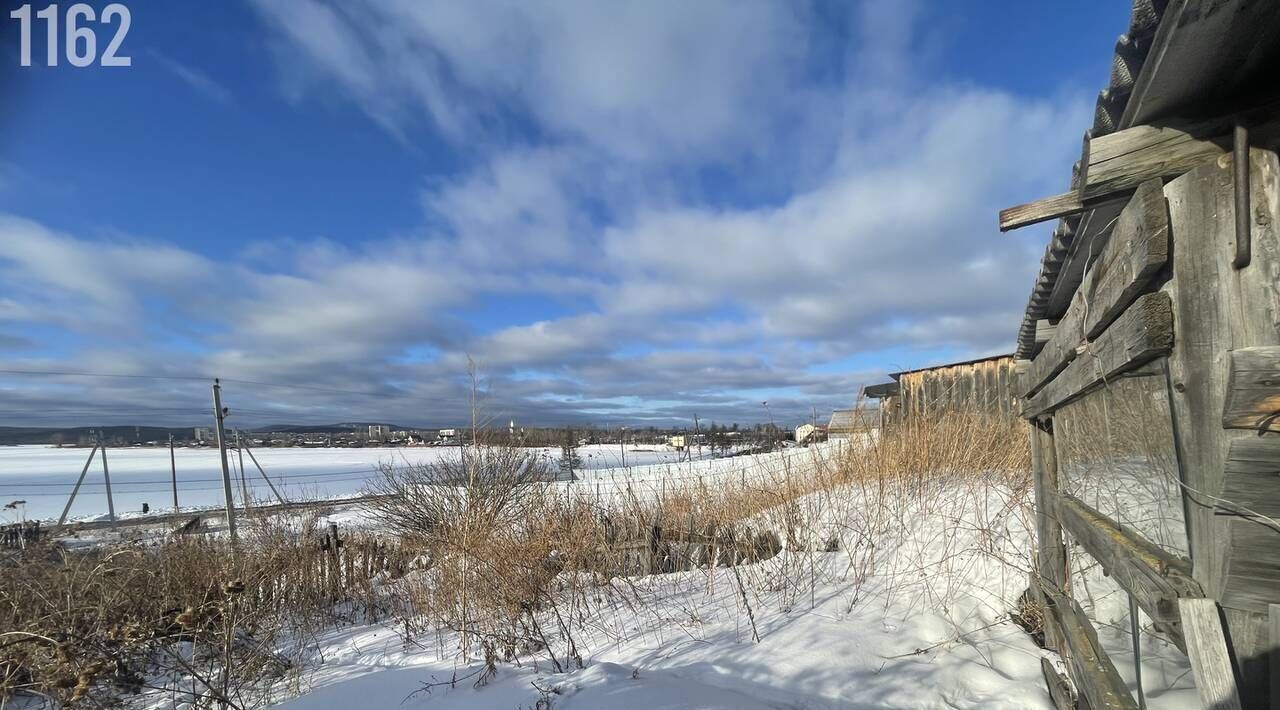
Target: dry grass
(190,617)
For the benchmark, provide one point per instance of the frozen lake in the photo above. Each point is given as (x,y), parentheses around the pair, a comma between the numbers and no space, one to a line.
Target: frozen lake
(43,476)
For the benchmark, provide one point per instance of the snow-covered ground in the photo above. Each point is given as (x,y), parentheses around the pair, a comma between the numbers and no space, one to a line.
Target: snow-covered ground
(44,476)
(912,611)
(915,617)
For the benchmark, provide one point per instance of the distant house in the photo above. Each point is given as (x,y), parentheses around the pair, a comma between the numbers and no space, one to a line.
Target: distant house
(809,433)
(844,424)
(982,386)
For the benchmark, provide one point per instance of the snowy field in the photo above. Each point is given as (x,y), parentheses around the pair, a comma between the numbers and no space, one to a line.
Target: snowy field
(44,476)
(913,616)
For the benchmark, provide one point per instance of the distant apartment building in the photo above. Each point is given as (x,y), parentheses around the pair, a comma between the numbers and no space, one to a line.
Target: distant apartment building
(379,432)
(205,434)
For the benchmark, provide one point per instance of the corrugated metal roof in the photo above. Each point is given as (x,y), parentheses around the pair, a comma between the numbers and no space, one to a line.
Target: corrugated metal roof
(1126,64)
(896,375)
(841,419)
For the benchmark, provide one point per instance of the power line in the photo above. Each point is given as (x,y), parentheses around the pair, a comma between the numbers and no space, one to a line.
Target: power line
(186,378)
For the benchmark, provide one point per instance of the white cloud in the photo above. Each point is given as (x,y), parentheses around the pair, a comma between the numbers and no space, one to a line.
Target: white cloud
(196,79)
(860,215)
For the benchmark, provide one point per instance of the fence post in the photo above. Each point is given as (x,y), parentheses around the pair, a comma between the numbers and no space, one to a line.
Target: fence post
(335,567)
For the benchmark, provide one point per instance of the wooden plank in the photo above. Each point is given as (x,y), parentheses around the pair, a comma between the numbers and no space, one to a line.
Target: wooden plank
(1219,309)
(1043,210)
(1252,476)
(1207,651)
(1096,679)
(1118,162)
(1144,332)
(1137,250)
(1060,690)
(1122,160)
(1253,576)
(1273,653)
(1155,578)
(1253,389)
(1045,330)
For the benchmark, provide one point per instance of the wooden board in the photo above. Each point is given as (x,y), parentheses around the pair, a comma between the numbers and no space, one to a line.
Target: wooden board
(1136,251)
(1253,389)
(1117,163)
(1045,330)
(1207,651)
(1218,309)
(1253,576)
(1096,679)
(1144,332)
(1252,476)
(1273,639)
(1155,578)
(1060,690)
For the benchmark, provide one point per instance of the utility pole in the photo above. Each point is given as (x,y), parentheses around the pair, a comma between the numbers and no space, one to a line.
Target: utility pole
(173,473)
(697,434)
(106,477)
(218,414)
(622,439)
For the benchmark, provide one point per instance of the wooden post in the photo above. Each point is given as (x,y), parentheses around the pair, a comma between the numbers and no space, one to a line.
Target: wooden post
(1217,309)
(335,568)
(62,519)
(1051,569)
(1273,624)
(1207,650)
(173,473)
(227,497)
(106,477)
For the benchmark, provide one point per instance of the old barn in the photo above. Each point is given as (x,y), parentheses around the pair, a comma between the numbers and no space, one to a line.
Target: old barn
(1153,390)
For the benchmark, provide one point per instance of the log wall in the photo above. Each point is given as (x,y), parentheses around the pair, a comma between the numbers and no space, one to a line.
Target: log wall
(1163,295)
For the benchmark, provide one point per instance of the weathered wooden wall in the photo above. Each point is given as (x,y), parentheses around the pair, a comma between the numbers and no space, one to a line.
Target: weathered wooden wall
(1164,293)
(984,387)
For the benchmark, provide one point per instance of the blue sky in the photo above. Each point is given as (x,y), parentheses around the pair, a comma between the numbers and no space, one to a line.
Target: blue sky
(619,211)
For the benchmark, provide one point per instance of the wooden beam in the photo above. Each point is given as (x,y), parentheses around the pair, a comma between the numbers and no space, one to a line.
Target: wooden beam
(1114,165)
(1273,652)
(1045,330)
(1144,332)
(1043,210)
(1096,678)
(1252,580)
(1137,251)
(1253,389)
(1060,692)
(1252,476)
(1155,578)
(1207,651)
(1217,309)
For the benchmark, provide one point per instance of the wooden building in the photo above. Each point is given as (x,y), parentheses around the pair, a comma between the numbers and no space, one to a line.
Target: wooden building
(1150,372)
(982,386)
